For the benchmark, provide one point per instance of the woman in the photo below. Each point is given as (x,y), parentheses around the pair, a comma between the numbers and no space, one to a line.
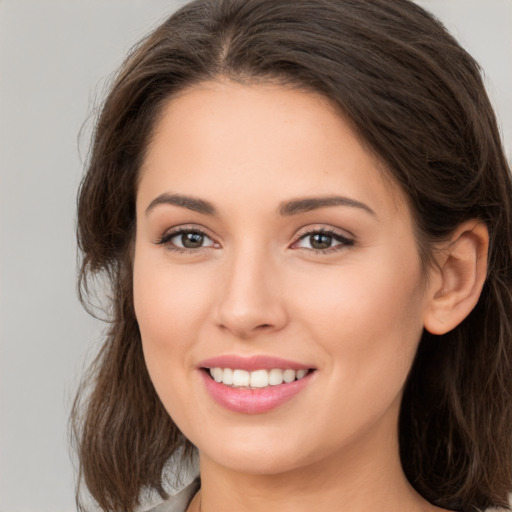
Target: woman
(303,211)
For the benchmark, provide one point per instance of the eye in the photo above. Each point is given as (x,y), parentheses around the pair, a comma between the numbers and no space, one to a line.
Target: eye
(322,241)
(186,239)
(191,240)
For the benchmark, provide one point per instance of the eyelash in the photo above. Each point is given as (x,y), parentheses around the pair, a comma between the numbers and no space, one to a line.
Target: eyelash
(331,233)
(342,240)
(165,240)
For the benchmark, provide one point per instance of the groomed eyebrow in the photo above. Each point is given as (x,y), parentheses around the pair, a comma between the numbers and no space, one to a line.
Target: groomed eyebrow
(191,203)
(288,208)
(307,204)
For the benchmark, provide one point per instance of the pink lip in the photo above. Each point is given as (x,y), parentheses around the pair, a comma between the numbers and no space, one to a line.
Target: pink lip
(251,363)
(253,401)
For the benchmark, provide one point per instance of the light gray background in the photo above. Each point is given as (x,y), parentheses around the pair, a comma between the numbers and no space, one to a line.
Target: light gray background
(55,59)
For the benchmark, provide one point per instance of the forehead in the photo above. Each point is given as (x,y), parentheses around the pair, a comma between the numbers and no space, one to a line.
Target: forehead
(257,143)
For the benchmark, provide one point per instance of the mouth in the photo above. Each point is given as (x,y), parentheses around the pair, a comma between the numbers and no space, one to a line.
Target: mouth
(254,385)
(256,379)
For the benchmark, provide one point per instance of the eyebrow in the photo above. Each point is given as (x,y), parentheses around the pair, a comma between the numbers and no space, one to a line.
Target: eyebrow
(286,209)
(191,203)
(307,204)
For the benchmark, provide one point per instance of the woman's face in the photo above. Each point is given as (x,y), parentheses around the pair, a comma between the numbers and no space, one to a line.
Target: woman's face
(268,240)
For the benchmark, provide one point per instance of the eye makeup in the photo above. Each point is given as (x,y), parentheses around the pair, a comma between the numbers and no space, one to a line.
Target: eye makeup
(191,239)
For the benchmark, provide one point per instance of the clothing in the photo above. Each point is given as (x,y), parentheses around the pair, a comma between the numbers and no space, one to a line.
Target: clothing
(180,488)
(179,501)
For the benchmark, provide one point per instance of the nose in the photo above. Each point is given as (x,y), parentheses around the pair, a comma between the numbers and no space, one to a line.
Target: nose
(251,301)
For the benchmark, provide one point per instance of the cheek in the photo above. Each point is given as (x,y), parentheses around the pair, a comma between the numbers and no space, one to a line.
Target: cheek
(165,297)
(368,320)
(171,305)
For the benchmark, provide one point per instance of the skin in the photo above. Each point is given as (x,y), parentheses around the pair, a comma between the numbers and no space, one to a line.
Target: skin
(354,312)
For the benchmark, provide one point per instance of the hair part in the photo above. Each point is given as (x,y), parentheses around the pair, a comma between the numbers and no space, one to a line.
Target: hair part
(417,101)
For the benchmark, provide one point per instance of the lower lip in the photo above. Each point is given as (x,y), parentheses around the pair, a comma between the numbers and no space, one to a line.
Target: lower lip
(253,401)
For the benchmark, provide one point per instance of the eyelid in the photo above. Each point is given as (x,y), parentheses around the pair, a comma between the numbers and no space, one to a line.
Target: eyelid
(324,228)
(346,239)
(168,234)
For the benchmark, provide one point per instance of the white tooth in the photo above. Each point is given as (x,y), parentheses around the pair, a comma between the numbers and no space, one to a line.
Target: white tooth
(289,375)
(227,378)
(216,373)
(300,374)
(259,379)
(240,378)
(275,377)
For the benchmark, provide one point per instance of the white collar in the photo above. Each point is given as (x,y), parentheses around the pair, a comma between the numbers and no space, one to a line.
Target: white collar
(180,487)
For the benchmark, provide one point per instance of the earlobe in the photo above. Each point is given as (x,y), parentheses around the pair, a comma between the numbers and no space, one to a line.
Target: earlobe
(459,277)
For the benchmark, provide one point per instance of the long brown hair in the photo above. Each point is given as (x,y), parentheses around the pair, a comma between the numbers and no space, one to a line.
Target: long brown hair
(417,101)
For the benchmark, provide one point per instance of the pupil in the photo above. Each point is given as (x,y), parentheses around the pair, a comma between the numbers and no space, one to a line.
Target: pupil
(192,240)
(320,241)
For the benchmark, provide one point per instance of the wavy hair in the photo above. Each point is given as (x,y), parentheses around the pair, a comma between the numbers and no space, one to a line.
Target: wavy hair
(417,101)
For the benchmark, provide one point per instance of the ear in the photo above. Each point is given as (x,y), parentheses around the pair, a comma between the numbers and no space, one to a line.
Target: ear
(457,281)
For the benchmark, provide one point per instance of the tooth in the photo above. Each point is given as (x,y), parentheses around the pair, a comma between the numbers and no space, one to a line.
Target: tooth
(216,373)
(275,377)
(240,378)
(259,379)
(227,378)
(289,375)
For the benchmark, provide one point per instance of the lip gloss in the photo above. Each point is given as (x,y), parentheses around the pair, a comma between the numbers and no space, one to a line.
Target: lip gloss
(252,400)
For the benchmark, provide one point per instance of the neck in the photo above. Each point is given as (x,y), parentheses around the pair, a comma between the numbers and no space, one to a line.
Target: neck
(366,475)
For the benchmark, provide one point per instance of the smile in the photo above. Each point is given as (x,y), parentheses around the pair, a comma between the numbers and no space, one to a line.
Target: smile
(238,378)
(254,385)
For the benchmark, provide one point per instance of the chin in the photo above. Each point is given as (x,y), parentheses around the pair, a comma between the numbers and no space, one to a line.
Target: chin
(262,452)
(257,461)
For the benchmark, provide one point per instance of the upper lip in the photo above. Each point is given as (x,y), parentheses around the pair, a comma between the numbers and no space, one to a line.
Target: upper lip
(257,362)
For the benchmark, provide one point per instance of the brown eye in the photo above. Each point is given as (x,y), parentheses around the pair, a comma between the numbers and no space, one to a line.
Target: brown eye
(324,241)
(187,239)
(320,241)
(192,240)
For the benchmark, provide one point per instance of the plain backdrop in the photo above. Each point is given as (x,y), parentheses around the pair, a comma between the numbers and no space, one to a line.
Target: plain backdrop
(55,61)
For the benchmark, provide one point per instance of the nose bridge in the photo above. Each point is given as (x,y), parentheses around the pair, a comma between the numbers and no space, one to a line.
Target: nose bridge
(250,301)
